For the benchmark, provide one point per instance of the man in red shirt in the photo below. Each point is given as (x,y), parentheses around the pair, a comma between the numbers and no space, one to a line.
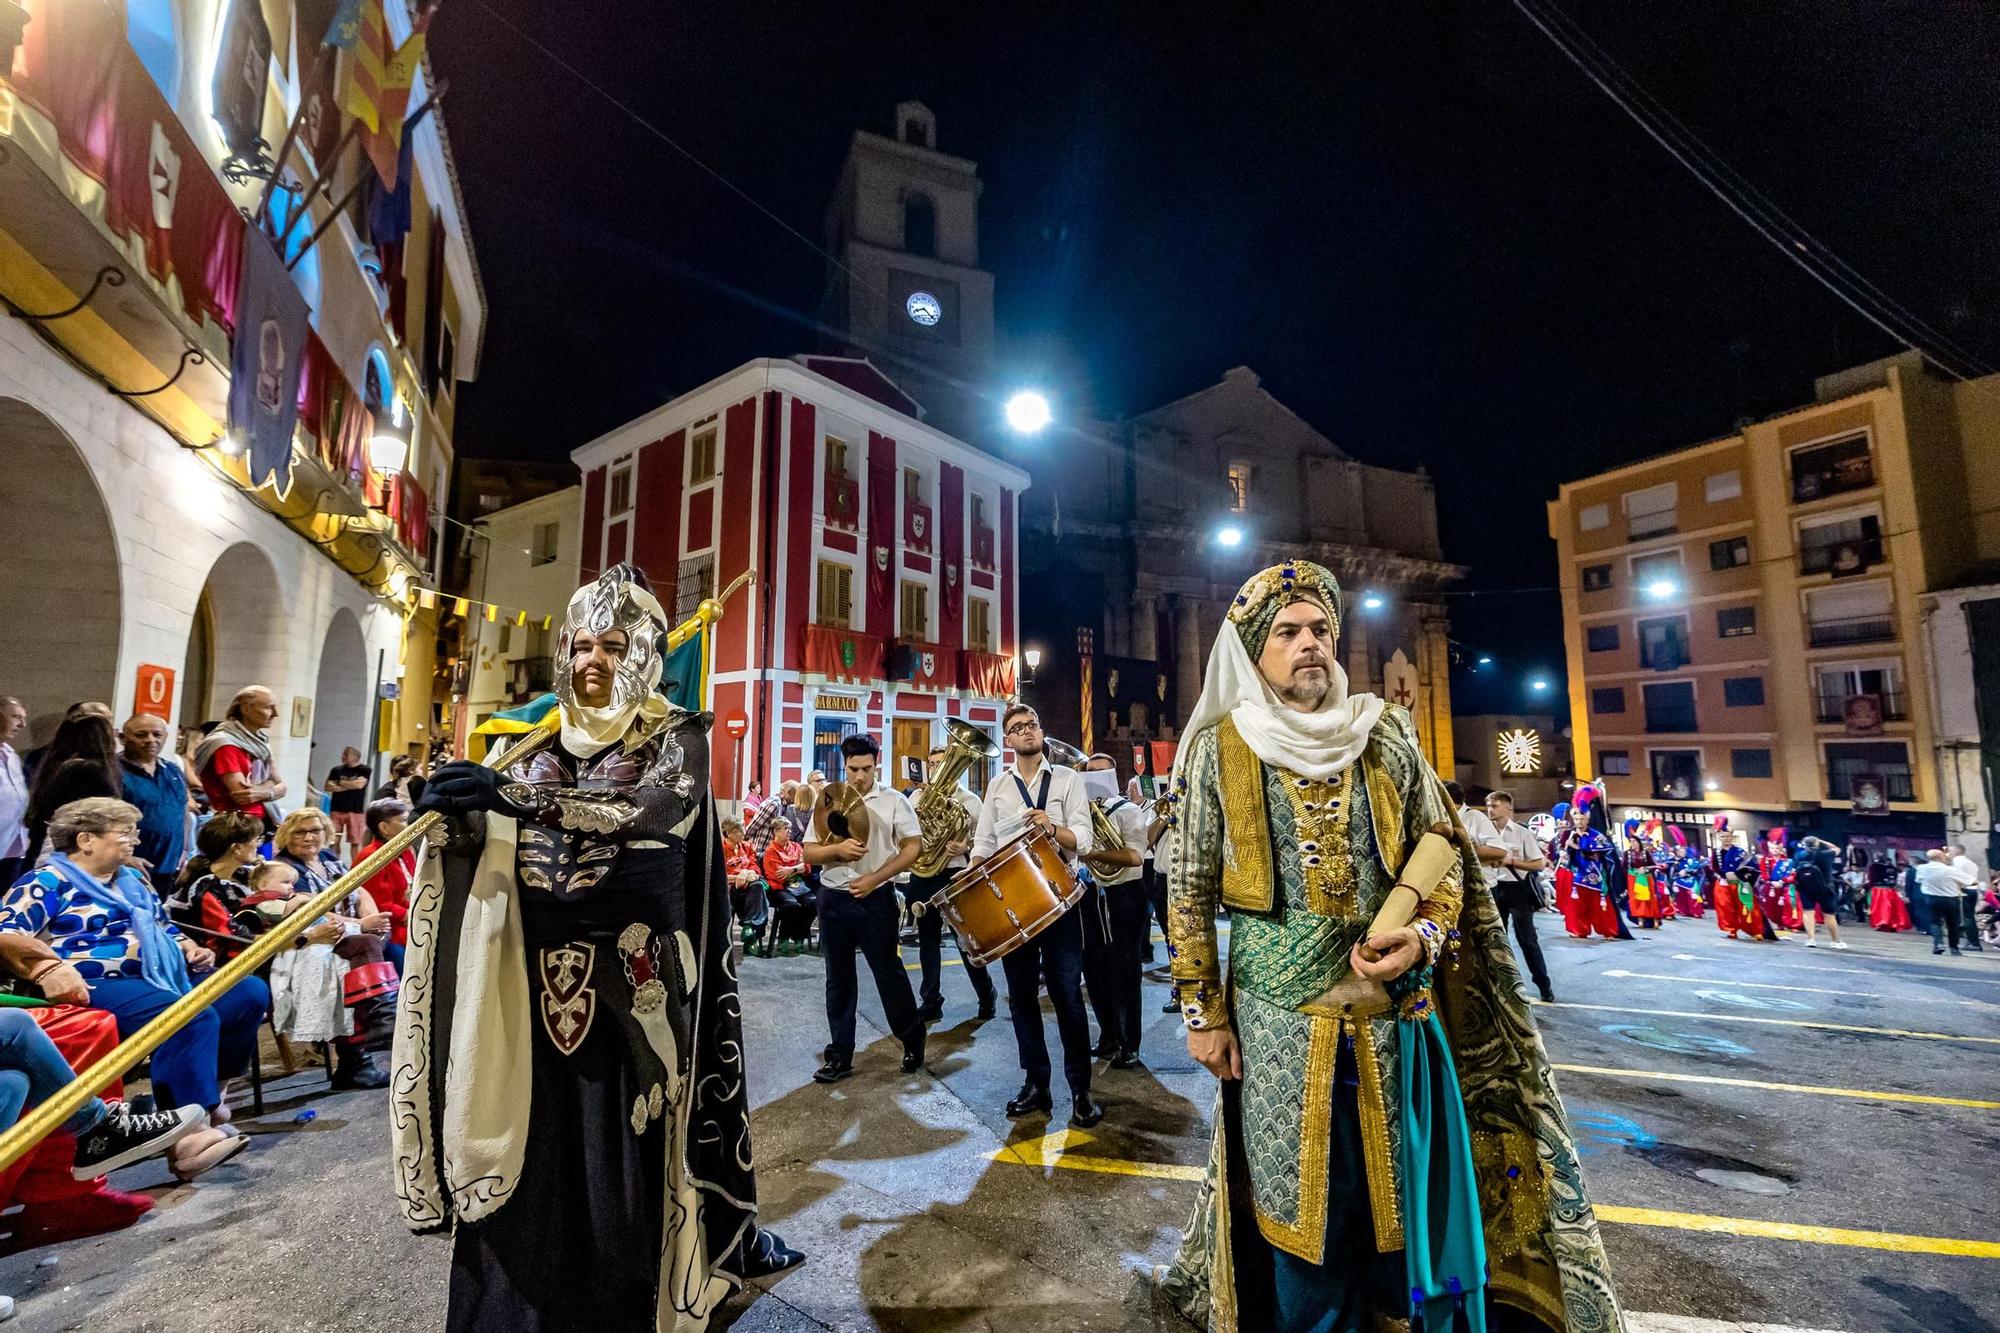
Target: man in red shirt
(234,760)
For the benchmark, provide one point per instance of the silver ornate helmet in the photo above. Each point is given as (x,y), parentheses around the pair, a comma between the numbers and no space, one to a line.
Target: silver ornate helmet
(620,599)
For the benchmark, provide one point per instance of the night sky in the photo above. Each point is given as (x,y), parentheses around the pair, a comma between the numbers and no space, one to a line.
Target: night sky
(1420,224)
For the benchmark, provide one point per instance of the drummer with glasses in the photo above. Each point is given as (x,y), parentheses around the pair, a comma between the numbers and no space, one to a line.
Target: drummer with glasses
(1037,794)
(858,912)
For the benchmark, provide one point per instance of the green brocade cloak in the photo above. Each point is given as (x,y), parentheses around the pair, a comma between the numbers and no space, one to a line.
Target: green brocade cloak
(1303,866)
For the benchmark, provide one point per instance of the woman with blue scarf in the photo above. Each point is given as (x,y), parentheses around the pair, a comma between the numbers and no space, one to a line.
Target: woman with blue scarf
(105,922)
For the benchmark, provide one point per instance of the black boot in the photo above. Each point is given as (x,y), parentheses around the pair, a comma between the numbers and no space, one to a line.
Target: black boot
(354,1067)
(913,1049)
(1030,1100)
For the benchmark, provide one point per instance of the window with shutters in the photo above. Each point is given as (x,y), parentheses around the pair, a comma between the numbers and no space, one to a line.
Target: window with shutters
(836,594)
(1722,486)
(620,491)
(915,622)
(979,624)
(1651,512)
(1596,578)
(701,456)
(1614,763)
(1592,517)
(836,457)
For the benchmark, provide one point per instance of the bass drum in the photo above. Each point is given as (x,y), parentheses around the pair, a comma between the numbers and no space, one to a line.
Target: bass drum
(1009,898)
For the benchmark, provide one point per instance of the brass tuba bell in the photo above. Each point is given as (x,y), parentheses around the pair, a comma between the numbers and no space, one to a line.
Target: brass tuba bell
(944,820)
(1103,832)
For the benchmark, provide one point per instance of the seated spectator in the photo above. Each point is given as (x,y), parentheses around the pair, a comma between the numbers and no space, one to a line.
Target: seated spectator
(214,882)
(370,984)
(390,886)
(308,981)
(114,938)
(792,895)
(81,761)
(746,881)
(108,1135)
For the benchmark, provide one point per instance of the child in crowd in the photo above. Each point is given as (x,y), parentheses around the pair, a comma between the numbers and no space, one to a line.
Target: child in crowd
(791,892)
(306,1000)
(746,881)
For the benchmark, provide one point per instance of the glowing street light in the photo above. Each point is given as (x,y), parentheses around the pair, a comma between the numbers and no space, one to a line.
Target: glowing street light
(1712,785)
(1029,413)
(1485,661)
(1230,535)
(1373,601)
(1661,589)
(1538,685)
(1033,658)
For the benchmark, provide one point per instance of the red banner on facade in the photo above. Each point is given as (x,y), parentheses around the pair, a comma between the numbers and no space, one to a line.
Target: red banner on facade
(989,675)
(881,540)
(951,553)
(75,67)
(843,654)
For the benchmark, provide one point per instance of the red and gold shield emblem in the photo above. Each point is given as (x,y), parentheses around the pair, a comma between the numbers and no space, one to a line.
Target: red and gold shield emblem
(569,1001)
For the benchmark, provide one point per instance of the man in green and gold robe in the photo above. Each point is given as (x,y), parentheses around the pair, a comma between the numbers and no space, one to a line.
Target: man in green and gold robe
(1389,1150)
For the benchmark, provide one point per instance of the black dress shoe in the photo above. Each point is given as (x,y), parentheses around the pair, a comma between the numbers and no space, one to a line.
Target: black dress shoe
(1104,1050)
(913,1053)
(986,1010)
(1548,995)
(1030,1100)
(1084,1111)
(833,1071)
(1172,1006)
(1125,1060)
(931,1013)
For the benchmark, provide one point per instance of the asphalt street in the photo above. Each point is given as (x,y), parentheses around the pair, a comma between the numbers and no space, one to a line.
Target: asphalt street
(1773,1136)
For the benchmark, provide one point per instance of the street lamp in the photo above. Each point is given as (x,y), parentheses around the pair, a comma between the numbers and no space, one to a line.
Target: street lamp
(1661,589)
(1229,535)
(1373,601)
(1029,413)
(1539,685)
(1033,657)
(1485,661)
(389,447)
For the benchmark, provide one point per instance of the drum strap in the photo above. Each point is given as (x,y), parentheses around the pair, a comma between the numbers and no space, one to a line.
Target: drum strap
(1035,802)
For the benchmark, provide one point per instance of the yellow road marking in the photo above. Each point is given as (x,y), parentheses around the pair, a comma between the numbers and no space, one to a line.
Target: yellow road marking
(1859,1093)
(1768,1022)
(1811,1235)
(1746,985)
(1052,1150)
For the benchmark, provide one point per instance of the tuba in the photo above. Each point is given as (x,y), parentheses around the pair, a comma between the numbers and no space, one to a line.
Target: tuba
(944,820)
(1103,832)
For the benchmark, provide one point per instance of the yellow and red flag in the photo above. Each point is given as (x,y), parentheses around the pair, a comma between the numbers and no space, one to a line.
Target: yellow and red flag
(376,81)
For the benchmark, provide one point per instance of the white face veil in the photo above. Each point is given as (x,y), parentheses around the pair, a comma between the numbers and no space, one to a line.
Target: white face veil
(616,601)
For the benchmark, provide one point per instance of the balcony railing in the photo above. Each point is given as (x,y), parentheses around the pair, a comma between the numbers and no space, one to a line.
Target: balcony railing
(1840,557)
(1897,784)
(1851,474)
(1833,707)
(1641,526)
(1850,629)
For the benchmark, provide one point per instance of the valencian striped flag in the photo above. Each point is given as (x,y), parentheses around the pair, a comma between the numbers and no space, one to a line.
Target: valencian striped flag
(375,80)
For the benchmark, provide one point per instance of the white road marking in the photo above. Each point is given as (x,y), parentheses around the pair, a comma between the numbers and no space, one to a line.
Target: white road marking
(1681,1323)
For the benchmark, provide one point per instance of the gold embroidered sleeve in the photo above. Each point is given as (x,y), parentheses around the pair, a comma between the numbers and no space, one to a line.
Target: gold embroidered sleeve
(1194,888)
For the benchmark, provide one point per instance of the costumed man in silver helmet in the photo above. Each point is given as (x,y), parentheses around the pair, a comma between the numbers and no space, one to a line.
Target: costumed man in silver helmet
(568,1096)
(1389,1150)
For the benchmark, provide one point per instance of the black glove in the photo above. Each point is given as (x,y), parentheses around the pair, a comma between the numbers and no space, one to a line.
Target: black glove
(461,787)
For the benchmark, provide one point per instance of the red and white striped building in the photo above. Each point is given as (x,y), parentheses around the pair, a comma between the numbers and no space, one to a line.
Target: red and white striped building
(886,559)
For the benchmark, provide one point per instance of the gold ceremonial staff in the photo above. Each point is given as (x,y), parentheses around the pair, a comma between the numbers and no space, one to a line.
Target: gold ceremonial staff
(45,1119)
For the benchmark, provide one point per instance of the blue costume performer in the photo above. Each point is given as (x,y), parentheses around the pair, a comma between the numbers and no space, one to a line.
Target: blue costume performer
(1389,1148)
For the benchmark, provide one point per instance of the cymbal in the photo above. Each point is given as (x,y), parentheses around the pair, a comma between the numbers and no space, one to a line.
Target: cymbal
(840,813)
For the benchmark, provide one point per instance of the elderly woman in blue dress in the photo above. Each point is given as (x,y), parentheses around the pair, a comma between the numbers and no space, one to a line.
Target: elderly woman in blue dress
(114,937)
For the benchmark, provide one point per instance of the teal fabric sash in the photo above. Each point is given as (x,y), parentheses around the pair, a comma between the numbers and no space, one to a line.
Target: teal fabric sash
(1444,1246)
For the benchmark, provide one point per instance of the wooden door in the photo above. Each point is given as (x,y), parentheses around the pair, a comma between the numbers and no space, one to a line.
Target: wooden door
(910,740)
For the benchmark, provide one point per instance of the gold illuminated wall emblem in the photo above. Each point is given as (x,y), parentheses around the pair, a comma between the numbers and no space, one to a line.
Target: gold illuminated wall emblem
(1520,751)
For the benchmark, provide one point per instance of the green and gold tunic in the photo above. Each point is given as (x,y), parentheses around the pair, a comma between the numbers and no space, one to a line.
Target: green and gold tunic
(1302,866)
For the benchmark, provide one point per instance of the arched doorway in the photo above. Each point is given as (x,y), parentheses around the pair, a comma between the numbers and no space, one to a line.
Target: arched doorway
(241,625)
(60,600)
(198,669)
(340,696)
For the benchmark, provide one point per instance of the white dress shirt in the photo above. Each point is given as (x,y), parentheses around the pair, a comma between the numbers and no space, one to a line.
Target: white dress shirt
(891,818)
(1967,871)
(1939,879)
(1006,811)
(1521,844)
(13,804)
(1132,823)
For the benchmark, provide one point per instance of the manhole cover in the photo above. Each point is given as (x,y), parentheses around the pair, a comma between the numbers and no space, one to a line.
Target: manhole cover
(1746,1182)
(1742,1001)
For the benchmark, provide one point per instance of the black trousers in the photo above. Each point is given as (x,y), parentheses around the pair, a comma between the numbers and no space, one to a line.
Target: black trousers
(1156,892)
(1947,921)
(930,944)
(1131,931)
(868,925)
(1968,917)
(1058,953)
(1517,903)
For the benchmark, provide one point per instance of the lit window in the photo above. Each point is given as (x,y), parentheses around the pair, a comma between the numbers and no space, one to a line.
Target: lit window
(1656,566)
(1614,763)
(701,456)
(621,487)
(836,456)
(1239,487)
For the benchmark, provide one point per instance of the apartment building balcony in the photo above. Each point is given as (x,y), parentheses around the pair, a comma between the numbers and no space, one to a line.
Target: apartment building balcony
(1841,557)
(1834,476)
(1895,707)
(1846,630)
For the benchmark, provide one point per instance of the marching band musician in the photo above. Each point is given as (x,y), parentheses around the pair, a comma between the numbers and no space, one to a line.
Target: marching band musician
(1037,793)
(1118,935)
(930,925)
(857,911)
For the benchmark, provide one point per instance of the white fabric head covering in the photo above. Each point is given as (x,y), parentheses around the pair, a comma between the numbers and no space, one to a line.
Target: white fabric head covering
(1317,745)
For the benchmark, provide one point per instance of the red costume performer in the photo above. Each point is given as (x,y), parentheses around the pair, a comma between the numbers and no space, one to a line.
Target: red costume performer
(1584,858)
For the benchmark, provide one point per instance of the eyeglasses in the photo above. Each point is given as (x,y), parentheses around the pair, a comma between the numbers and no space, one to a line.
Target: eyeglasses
(1022,728)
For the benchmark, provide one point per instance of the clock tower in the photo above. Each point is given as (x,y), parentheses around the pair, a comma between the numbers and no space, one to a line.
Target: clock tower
(908,292)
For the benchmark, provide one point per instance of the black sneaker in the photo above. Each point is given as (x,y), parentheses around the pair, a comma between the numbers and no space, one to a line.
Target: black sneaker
(124,1137)
(832,1071)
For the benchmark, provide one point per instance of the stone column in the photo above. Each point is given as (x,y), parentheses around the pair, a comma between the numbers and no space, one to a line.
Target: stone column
(1434,672)
(1360,658)
(1145,627)
(1189,657)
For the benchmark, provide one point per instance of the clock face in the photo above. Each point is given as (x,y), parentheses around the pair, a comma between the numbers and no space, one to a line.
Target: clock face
(924,308)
